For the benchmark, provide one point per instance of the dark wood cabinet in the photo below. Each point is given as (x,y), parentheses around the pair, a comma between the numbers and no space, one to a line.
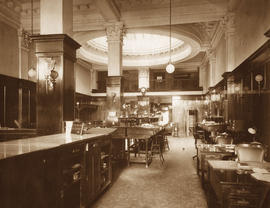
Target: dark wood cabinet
(71,175)
(24,181)
(97,169)
(70,167)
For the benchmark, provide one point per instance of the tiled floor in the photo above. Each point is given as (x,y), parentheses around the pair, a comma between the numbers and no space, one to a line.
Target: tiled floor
(173,185)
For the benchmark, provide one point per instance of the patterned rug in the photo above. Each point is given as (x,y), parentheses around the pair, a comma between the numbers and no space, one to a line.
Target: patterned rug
(172,185)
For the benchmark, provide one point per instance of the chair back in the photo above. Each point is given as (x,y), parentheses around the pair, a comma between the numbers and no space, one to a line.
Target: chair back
(224,140)
(249,153)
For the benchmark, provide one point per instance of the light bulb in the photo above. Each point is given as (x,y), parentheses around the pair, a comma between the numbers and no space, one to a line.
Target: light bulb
(170,68)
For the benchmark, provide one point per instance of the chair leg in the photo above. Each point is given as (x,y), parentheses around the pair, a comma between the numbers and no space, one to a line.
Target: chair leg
(166,143)
(161,155)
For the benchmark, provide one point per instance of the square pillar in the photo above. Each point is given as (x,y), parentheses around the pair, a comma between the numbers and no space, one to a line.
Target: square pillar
(56,55)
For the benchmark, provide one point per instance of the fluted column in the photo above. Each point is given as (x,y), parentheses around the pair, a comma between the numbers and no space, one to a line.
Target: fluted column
(114,33)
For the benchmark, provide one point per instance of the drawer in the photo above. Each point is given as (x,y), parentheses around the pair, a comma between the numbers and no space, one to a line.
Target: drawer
(244,190)
(243,202)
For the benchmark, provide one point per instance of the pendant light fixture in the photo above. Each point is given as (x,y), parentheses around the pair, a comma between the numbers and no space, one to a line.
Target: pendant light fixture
(170,67)
(32,71)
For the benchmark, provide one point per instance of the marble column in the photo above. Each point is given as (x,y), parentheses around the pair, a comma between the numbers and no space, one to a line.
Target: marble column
(114,33)
(229,36)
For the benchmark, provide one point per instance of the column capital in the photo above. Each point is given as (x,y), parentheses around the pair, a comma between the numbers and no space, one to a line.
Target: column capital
(211,54)
(25,38)
(115,31)
(228,23)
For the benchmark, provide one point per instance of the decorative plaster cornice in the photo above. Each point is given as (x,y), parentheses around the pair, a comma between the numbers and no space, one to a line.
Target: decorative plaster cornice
(10,13)
(84,63)
(218,34)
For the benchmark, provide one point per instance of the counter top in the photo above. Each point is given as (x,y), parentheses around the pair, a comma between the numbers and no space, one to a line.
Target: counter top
(22,146)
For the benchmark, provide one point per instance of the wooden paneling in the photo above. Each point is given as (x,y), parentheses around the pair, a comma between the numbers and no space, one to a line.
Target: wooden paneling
(179,80)
(55,104)
(10,107)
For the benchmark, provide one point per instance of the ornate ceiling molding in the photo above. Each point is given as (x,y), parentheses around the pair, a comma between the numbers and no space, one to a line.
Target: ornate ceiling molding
(189,49)
(10,13)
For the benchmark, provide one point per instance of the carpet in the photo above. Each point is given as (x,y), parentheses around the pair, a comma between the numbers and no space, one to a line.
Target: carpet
(172,185)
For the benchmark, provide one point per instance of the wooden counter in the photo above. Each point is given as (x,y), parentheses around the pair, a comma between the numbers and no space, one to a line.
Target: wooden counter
(55,171)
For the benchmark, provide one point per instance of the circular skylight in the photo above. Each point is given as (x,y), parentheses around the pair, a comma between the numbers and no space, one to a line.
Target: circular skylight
(140,47)
(139,44)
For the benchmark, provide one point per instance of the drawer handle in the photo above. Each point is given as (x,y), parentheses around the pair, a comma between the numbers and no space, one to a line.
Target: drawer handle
(242,191)
(242,202)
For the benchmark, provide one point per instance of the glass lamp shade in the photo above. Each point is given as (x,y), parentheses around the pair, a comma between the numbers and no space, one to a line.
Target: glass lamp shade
(170,68)
(32,72)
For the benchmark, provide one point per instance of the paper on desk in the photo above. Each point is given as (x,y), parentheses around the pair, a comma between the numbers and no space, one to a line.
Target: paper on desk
(262,176)
(260,170)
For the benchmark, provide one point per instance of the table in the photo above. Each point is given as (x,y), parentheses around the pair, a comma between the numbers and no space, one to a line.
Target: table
(142,137)
(211,152)
(232,185)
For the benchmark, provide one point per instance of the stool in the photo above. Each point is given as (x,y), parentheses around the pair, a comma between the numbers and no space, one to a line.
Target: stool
(157,146)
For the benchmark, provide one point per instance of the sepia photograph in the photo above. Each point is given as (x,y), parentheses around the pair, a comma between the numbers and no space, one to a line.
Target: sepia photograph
(134,104)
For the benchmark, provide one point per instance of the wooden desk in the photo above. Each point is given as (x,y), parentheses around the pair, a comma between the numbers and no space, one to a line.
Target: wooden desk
(211,152)
(232,186)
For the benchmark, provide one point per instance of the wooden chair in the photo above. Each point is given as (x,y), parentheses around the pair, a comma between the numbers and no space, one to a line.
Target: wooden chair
(250,153)
(157,146)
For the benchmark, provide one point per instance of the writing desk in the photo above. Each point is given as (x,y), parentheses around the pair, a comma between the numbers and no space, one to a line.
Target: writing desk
(211,152)
(233,185)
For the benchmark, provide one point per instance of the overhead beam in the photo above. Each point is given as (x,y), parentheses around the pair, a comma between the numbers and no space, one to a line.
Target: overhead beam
(108,10)
(135,18)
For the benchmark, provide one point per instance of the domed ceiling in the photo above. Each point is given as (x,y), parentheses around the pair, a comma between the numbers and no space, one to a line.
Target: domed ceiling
(140,48)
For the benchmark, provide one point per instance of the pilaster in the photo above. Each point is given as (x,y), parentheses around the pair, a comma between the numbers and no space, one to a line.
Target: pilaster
(229,22)
(212,66)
